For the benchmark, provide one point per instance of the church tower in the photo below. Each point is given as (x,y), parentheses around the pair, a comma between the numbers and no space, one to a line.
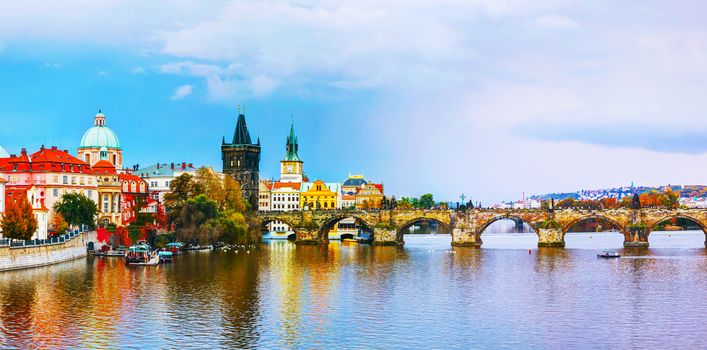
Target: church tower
(241,160)
(291,166)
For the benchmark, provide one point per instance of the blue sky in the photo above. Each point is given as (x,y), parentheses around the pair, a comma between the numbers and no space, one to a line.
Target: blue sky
(489,98)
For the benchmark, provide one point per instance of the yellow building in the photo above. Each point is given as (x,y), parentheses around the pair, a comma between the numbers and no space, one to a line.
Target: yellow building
(319,196)
(369,196)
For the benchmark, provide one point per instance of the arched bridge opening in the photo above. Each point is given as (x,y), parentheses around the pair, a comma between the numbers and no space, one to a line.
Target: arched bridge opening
(677,231)
(422,226)
(274,228)
(345,227)
(595,231)
(508,231)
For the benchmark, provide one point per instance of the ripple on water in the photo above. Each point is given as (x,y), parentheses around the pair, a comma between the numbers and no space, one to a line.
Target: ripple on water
(423,295)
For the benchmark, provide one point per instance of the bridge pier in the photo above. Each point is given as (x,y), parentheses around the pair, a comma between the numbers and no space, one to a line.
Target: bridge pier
(638,238)
(307,236)
(465,237)
(551,237)
(384,236)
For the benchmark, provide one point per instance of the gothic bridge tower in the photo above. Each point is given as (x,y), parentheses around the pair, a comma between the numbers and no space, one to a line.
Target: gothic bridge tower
(241,160)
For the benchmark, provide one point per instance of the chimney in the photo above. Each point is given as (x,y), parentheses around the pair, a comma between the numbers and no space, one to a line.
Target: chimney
(184,166)
(191,165)
(158,165)
(53,148)
(24,151)
(66,151)
(172,166)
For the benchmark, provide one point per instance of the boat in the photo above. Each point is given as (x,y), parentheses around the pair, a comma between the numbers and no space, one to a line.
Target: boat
(174,247)
(140,254)
(607,254)
(165,256)
(349,240)
(114,253)
(154,261)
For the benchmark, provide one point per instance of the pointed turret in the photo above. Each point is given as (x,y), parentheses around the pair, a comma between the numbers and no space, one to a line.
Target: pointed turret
(241,136)
(292,145)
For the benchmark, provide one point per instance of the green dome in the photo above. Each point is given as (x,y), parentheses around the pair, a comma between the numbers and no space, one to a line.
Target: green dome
(100,136)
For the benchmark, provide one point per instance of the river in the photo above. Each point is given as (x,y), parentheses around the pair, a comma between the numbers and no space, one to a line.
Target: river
(508,294)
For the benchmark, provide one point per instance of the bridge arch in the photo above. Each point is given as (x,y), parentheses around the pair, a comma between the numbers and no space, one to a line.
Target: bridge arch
(702,225)
(400,232)
(262,222)
(624,231)
(488,223)
(329,223)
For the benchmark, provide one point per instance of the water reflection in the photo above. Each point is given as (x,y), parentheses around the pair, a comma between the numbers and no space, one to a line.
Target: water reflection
(426,294)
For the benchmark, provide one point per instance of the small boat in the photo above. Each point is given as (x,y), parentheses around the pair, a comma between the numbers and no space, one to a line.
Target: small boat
(154,261)
(607,254)
(364,237)
(165,256)
(349,240)
(174,247)
(140,254)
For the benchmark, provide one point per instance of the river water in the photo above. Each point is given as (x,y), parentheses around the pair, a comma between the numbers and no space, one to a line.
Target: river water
(424,295)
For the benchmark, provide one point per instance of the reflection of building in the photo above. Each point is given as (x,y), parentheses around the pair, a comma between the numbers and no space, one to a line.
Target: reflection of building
(33,195)
(369,196)
(53,171)
(241,160)
(100,142)
(108,193)
(320,196)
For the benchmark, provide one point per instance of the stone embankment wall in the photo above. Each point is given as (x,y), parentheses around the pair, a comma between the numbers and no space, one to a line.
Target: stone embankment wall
(26,257)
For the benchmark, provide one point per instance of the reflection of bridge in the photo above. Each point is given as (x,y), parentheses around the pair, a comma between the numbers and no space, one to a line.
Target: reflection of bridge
(388,226)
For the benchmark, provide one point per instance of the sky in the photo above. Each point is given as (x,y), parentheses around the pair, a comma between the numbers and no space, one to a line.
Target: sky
(492,99)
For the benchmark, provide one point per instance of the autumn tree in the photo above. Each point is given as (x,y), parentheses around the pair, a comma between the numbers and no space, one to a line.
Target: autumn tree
(77,209)
(427,201)
(19,222)
(59,224)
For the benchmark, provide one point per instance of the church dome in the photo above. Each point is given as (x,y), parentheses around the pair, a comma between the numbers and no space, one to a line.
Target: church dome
(100,135)
(355,181)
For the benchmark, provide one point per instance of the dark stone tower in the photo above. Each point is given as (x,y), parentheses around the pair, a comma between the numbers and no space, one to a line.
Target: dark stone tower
(241,160)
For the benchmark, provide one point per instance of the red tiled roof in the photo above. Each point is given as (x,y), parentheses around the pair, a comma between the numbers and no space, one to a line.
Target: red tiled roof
(292,185)
(103,167)
(379,187)
(45,160)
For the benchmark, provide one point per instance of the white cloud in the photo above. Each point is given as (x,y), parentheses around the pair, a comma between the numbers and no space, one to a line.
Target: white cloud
(556,22)
(138,70)
(182,92)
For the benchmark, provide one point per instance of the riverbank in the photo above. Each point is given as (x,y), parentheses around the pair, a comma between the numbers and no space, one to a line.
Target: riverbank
(16,258)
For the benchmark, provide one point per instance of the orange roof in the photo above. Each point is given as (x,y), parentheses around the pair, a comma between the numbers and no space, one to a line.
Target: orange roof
(103,167)
(45,160)
(292,185)
(348,197)
(379,187)
(130,177)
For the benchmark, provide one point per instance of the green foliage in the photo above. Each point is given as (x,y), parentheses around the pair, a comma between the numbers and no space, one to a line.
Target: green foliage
(427,201)
(18,221)
(77,209)
(308,225)
(162,240)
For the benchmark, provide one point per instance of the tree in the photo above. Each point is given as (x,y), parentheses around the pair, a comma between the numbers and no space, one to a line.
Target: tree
(59,224)
(427,201)
(19,222)
(232,196)
(672,199)
(195,213)
(77,209)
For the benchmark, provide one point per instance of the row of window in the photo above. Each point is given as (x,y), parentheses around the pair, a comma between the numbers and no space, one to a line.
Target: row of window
(56,193)
(283,206)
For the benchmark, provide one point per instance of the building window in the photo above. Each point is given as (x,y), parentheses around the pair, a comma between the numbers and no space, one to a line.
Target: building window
(55,192)
(65,180)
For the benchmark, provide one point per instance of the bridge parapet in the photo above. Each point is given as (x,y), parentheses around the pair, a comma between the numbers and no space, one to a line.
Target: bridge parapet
(467,226)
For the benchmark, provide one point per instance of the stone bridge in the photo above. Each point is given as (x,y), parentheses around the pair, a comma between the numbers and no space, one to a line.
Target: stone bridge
(466,227)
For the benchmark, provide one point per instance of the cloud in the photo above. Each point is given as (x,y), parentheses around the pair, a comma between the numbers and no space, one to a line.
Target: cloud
(138,70)
(182,92)
(556,22)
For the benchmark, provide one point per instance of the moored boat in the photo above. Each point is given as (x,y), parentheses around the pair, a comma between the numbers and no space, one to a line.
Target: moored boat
(140,254)
(165,256)
(174,247)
